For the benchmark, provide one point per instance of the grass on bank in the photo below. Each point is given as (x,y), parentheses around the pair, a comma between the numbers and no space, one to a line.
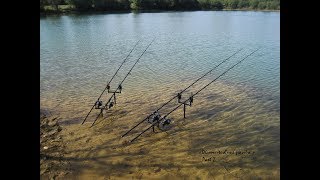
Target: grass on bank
(61,8)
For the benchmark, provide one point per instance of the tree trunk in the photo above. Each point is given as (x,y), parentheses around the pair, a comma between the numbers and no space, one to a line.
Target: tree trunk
(56,7)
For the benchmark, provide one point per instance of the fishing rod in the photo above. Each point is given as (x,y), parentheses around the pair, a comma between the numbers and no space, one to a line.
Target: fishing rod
(108,84)
(164,117)
(120,85)
(181,92)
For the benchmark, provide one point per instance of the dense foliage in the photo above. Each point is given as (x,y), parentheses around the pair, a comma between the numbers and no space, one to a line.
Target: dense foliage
(103,5)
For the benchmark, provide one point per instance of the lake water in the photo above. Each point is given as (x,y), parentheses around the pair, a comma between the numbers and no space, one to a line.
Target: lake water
(80,53)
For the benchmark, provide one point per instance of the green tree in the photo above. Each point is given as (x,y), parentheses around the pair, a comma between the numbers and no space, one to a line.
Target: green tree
(262,5)
(104,5)
(254,4)
(135,4)
(217,5)
(54,4)
(204,4)
(243,4)
(273,5)
(42,4)
(81,4)
(233,4)
(186,4)
(123,4)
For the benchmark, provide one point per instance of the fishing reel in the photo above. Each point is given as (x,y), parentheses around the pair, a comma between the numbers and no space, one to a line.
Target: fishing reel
(98,104)
(165,124)
(154,117)
(110,105)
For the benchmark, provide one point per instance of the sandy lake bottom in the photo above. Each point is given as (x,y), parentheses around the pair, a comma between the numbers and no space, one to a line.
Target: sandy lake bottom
(228,134)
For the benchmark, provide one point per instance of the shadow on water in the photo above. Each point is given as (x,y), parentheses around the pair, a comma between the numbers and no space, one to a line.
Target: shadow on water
(219,119)
(102,151)
(224,116)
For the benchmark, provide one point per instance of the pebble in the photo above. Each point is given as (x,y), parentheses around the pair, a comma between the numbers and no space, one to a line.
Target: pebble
(53,132)
(46,147)
(157,170)
(43,171)
(52,123)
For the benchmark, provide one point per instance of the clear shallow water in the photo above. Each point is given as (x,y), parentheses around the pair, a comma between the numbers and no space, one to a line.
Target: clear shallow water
(80,53)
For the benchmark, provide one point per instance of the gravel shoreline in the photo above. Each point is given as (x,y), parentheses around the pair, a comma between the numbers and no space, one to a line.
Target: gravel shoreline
(52,162)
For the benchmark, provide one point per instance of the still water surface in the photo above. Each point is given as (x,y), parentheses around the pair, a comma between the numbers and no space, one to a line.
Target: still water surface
(80,53)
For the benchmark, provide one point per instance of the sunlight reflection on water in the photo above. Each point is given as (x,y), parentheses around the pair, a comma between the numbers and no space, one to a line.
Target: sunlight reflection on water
(79,54)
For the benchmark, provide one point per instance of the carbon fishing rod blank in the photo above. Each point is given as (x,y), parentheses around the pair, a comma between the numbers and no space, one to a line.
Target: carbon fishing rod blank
(208,72)
(120,85)
(108,84)
(191,97)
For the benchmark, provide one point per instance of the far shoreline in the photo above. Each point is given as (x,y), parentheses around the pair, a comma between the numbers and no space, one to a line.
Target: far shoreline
(145,11)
